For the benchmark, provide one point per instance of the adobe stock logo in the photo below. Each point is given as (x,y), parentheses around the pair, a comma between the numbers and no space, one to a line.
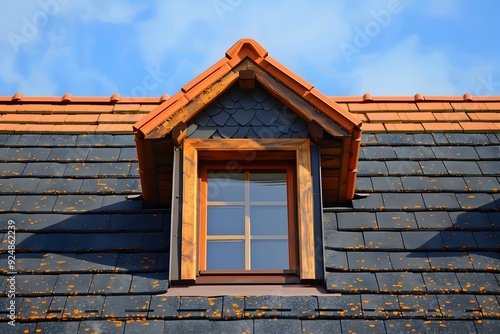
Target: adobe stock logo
(363,37)
(32,25)
(223,6)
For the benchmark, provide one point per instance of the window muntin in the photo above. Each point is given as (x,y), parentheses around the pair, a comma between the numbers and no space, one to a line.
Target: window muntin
(247,219)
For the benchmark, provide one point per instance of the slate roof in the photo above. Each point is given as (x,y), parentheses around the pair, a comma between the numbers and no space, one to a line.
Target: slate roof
(416,251)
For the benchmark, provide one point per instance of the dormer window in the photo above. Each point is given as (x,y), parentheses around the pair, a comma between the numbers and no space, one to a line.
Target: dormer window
(246,154)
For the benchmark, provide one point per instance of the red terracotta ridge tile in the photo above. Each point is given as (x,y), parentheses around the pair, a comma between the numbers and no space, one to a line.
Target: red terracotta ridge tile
(391,99)
(215,67)
(206,82)
(163,115)
(442,127)
(398,106)
(158,110)
(432,106)
(468,106)
(451,116)
(404,127)
(10,108)
(148,107)
(484,116)
(373,127)
(277,70)
(129,107)
(364,107)
(246,43)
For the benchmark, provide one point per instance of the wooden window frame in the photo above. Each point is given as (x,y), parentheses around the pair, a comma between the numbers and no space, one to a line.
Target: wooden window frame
(244,167)
(193,149)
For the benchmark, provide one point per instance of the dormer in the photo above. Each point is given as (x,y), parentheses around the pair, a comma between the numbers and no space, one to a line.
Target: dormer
(246,154)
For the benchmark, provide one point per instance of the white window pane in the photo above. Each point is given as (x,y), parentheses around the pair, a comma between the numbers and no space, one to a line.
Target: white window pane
(225,255)
(269,254)
(268,220)
(225,220)
(268,187)
(224,186)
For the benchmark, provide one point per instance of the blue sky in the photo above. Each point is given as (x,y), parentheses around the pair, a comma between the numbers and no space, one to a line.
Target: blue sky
(149,48)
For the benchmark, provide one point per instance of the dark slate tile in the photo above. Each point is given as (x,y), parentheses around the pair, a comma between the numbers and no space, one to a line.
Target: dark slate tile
(149,283)
(26,154)
(457,167)
(66,223)
(10,169)
(57,140)
(488,152)
(404,167)
(403,326)
(86,140)
(126,307)
(409,260)
(443,261)
(419,306)
(321,326)
(404,201)
(378,152)
(425,240)
(110,186)
(44,169)
(345,240)
(455,152)
(458,240)
(396,220)
(118,203)
(485,260)
(77,203)
(57,327)
(134,170)
(372,202)
(372,168)
(208,326)
(20,328)
(489,167)
(103,154)
(4,137)
(128,154)
(330,224)
(34,203)
(362,326)
(33,307)
(467,138)
(387,183)
(383,240)
(456,306)
(123,140)
(59,186)
(433,167)
(28,140)
(136,222)
(489,304)
(335,260)
(392,139)
(380,305)
(441,183)
(101,326)
(470,220)
(437,220)
(364,184)
(478,282)
(18,185)
(110,284)
(482,183)
(414,153)
(438,282)
(378,261)
(476,201)
(82,169)
(493,138)
(233,307)
(494,219)
(369,139)
(201,307)
(401,282)
(487,326)
(84,307)
(6,202)
(303,307)
(343,306)
(114,169)
(136,261)
(68,154)
(356,220)
(164,307)
(351,282)
(144,326)
(488,240)
(263,306)
(56,307)
(74,284)
(35,284)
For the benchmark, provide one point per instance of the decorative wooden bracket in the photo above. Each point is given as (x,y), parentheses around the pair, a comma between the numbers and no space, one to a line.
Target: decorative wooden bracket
(247,79)
(179,133)
(315,132)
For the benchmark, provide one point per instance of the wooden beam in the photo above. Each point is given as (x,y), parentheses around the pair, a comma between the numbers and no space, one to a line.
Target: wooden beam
(315,132)
(179,132)
(247,79)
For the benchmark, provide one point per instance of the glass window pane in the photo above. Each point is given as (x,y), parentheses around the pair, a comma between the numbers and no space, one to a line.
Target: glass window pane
(225,220)
(225,255)
(268,220)
(268,187)
(269,254)
(224,186)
